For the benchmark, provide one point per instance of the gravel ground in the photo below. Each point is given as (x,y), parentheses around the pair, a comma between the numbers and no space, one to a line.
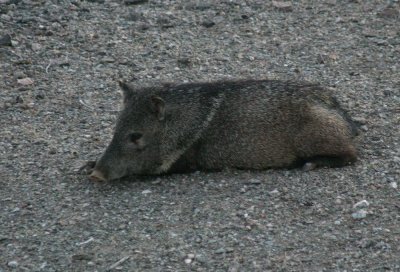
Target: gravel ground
(59,64)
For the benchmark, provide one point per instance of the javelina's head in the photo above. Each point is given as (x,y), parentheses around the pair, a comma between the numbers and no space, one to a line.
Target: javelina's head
(135,146)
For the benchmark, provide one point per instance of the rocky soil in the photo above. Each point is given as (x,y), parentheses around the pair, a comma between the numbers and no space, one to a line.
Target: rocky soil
(59,66)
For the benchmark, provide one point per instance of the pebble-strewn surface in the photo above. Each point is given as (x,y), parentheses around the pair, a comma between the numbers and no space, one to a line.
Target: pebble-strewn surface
(59,65)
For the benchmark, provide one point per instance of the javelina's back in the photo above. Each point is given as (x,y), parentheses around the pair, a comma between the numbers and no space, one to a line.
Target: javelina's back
(264,124)
(244,124)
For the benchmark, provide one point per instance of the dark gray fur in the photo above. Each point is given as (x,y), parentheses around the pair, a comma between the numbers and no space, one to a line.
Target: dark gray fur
(250,124)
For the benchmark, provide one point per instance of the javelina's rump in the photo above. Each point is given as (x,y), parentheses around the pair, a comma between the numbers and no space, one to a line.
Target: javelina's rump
(253,124)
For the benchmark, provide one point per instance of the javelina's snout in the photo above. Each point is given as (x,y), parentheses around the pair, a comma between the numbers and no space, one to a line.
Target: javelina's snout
(96,175)
(108,167)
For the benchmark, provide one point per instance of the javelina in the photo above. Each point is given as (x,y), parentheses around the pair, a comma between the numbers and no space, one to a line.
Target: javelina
(251,124)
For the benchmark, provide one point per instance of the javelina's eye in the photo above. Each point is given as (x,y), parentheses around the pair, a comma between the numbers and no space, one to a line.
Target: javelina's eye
(134,137)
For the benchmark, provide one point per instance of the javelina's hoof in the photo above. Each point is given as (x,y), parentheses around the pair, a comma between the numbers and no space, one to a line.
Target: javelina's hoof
(97,176)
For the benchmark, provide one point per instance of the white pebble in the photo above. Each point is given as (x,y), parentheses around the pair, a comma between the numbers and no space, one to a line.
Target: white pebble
(25,81)
(145,192)
(12,264)
(361,204)
(188,261)
(393,184)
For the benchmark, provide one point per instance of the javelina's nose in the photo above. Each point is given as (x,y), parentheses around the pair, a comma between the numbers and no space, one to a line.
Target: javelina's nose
(96,175)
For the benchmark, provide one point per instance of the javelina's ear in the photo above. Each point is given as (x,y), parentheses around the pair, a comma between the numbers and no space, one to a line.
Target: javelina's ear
(158,105)
(127,90)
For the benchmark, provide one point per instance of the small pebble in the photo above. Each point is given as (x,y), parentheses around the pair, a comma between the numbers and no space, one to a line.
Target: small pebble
(190,256)
(135,2)
(198,239)
(36,46)
(208,24)
(16,210)
(361,204)
(82,257)
(184,61)
(12,264)
(359,214)
(5,17)
(255,181)
(19,74)
(283,6)
(157,181)
(25,81)
(107,60)
(145,192)
(5,40)
(393,184)
(274,191)
(43,265)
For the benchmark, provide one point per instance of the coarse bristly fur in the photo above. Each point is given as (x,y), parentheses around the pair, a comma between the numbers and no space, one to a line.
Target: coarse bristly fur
(247,124)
